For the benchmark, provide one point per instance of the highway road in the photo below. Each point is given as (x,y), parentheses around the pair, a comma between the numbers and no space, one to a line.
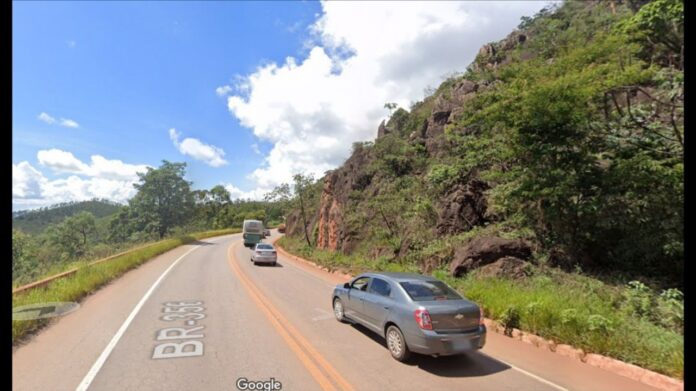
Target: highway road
(202,316)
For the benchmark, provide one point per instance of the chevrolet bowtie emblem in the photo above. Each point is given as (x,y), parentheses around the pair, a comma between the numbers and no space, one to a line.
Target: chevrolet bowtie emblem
(458,316)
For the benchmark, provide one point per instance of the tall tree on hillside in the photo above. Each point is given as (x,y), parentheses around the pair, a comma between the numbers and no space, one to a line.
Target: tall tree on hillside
(83,223)
(280,197)
(303,184)
(219,200)
(70,237)
(164,199)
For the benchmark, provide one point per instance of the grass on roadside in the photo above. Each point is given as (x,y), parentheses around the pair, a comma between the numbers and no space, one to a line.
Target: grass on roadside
(568,308)
(90,278)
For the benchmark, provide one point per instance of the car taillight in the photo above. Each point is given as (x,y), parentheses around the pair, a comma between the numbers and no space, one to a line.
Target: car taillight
(259,253)
(481,316)
(273,252)
(423,319)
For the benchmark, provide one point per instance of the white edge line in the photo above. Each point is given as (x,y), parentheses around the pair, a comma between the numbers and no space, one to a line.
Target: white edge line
(84,385)
(305,272)
(541,379)
(556,386)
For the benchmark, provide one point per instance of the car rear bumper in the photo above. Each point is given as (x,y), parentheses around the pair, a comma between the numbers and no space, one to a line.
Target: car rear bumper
(430,342)
(265,259)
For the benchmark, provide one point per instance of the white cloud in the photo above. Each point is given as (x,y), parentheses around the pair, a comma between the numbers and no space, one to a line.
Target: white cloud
(68,123)
(46,118)
(65,162)
(103,178)
(26,181)
(312,110)
(223,91)
(209,154)
(61,161)
(237,194)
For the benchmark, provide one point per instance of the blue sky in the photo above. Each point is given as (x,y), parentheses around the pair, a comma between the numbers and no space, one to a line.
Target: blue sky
(112,79)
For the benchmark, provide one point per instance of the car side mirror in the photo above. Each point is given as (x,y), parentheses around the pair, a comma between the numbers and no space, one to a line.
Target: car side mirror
(346,285)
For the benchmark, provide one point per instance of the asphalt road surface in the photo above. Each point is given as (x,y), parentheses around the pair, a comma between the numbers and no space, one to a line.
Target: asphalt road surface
(202,316)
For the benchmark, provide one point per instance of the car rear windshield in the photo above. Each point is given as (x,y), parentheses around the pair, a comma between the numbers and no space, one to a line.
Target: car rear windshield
(429,290)
(264,247)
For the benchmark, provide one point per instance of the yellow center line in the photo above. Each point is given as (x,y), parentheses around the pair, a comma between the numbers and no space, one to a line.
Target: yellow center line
(290,334)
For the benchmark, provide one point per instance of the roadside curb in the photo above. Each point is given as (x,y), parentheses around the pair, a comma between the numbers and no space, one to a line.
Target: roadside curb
(609,364)
(310,263)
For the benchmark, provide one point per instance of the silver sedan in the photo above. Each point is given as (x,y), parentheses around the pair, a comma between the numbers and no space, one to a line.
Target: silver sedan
(414,313)
(264,253)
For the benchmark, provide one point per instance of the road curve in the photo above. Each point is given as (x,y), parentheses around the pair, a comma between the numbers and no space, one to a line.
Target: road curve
(202,316)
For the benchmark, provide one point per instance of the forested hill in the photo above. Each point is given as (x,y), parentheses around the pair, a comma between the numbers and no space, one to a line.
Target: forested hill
(566,135)
(35,221)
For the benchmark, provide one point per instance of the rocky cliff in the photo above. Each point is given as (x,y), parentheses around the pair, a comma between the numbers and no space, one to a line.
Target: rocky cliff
(568,133)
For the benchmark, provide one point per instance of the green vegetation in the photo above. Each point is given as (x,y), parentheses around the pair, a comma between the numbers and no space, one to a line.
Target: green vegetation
(568,134)
(90,278)
(164,207)
(37,220)
(631,322)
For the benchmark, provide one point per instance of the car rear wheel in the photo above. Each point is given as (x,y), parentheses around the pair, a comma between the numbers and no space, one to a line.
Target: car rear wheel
(339,310)
(397,344)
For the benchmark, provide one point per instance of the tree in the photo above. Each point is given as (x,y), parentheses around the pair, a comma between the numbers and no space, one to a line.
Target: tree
(120,226)
(83,223)
(281,196)
(164,199)
(23,254)
(219,197)
(303,185)
(70,236)
(660,24)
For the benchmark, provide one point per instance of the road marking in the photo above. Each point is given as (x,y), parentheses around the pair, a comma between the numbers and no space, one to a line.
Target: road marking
(175,309)
(556,386)
(541,379)
(289,333)
(84,385)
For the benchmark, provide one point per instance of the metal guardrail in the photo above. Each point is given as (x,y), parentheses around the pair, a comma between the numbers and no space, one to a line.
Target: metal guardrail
(47,280)
(50,279)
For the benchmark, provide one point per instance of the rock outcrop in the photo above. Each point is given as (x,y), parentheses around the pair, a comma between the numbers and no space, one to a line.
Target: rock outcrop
(382,130)
(486,250)
(338,184)
(446,109)
(509,267)
(462,208)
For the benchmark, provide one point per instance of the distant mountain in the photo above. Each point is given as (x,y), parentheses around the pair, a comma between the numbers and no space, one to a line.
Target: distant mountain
(35,221)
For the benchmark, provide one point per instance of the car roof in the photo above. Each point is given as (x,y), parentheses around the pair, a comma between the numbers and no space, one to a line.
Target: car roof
(399,276)
(265,244)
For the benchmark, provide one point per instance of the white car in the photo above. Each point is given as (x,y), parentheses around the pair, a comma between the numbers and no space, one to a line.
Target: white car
(264,253)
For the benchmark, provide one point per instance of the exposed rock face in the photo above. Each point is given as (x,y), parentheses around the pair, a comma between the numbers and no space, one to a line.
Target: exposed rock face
(382,130)
(330,216)
(492,55)
(485,250)
(445,110)
(463,207)
(509,267)
(338,184)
